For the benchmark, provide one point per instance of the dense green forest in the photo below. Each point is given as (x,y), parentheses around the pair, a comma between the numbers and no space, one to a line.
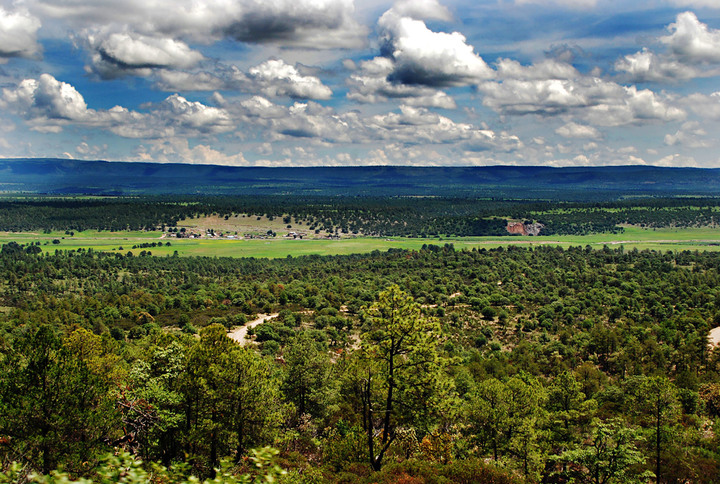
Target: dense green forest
(386,216)
(439,365)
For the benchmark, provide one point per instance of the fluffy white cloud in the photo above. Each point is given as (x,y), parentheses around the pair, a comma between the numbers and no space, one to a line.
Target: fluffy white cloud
(258,106)
(272,78)
(415,61)
(545,69)
(321,125)
(600,102)
(634,106)
(313,121)
(419,126)
(126,53)
(18,34)
(178,150)
(422,56)
(574,130)
(705,106)
(690,134)
(174,116)
(646,66)
(421,10)
(191,81)
(48,105)
(547,87)
(692,41)
(676,160)
(276,78)
(87,151)
(194,116)
(315,24)
(549,96)
(693,50)
(371,85)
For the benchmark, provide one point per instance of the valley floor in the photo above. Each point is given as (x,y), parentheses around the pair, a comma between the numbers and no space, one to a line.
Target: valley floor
(664,239)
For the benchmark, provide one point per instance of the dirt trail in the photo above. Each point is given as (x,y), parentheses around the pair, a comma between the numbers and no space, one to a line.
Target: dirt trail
(240,333)
(715,336)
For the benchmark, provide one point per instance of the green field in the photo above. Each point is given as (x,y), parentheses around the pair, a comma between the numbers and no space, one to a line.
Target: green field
(633,237)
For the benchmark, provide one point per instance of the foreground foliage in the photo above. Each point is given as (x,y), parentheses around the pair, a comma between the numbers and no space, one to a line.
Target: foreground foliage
(126,469)
(437,365)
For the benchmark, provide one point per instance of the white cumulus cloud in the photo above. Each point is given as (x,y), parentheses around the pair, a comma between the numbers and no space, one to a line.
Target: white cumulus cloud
(272,78)
(126,53)
(547,96)
(705,106)
(370,84)
(552,89)
(422,56)
(411,126)
(545,69)
(419,125)
(690,134)
(48,105)
(18,34)
(276,78)
(646,66)
(193,115)
(633,106)
(692,50)
(574,130)
(422,10)
(168,80)
(258,106)
(178,150)
(314,24)
(692,41)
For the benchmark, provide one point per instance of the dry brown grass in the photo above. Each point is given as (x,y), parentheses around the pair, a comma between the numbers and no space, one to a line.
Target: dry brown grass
(241,224)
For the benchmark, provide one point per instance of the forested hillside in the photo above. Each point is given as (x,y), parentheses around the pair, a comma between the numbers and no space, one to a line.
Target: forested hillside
(590,183)
(437,365)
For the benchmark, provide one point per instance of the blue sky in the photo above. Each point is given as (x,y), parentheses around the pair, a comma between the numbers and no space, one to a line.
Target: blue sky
(343,82)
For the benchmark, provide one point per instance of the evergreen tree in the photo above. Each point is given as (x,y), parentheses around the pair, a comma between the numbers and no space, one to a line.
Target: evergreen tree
(401,370)
(53,409)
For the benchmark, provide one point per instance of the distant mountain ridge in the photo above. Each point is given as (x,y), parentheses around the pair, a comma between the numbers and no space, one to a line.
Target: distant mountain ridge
(62,176)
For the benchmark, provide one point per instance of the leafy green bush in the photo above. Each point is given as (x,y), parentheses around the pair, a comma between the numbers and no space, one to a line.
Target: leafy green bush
(126,469)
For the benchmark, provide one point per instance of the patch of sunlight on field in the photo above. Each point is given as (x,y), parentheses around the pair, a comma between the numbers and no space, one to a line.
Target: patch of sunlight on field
(240,224)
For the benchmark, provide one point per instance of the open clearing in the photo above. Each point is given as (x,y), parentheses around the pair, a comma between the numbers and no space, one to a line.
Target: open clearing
(714,336)
(240,224)
(279,247)
(240,334)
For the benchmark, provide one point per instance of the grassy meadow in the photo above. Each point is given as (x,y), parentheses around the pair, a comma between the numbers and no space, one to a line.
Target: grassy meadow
(280,246)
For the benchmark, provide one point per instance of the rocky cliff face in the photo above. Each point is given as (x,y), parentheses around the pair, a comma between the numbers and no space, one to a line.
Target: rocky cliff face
(521,228)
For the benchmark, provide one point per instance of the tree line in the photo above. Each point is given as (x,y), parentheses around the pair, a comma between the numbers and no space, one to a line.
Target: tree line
(382,216)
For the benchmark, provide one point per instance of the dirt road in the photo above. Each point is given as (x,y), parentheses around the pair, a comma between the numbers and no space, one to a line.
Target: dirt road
(239,334)
(715,336)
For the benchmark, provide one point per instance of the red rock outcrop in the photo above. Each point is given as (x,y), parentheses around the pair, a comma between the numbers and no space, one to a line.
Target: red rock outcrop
(516,228)
(521,228)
